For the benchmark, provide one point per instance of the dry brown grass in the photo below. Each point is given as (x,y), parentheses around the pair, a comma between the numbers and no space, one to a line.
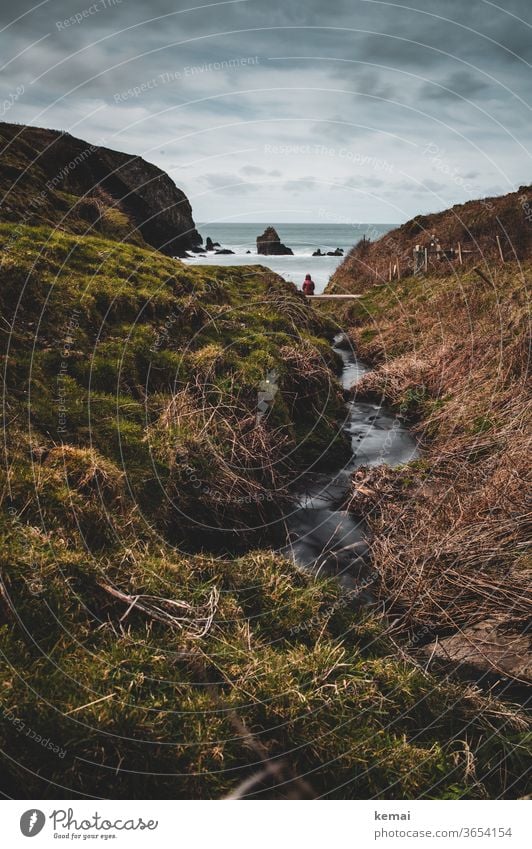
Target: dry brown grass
(475,225)
(227,468)
(449,540)
(451,532)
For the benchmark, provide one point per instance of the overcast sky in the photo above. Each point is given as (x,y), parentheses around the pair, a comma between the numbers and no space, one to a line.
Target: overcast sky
(287,110)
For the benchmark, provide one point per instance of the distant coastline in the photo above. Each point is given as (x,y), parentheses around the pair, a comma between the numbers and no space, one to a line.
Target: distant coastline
(303,238)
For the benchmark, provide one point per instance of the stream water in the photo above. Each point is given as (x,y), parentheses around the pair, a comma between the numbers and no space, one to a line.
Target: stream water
(322,537)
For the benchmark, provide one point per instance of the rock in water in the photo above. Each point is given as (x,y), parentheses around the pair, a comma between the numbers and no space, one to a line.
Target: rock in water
(343,342)
(269,244)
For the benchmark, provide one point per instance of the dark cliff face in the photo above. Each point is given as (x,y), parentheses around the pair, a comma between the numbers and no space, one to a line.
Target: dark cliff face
(163,212)
(49,177)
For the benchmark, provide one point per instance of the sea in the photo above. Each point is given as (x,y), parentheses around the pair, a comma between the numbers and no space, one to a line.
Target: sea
(304,239)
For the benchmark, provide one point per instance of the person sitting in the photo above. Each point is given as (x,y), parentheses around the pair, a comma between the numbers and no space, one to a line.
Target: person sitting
(308,285)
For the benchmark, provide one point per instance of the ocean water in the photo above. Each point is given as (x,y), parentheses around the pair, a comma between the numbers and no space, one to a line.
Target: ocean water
(304,239)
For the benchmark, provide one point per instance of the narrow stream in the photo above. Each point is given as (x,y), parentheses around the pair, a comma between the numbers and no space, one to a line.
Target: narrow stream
(322,537)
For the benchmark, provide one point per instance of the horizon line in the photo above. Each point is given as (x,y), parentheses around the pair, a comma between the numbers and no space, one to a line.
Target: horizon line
(325,224)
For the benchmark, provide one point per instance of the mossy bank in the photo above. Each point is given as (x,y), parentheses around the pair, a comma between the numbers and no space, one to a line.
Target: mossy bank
(154,645)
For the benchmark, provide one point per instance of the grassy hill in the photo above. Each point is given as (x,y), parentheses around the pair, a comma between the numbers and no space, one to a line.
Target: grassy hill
(158,367)
(136,669)
(451,532)
(474,225)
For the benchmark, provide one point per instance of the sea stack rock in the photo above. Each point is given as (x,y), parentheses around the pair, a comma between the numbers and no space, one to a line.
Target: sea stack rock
(269,244)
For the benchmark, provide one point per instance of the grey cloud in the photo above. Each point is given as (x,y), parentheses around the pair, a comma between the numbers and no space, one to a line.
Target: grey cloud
(357,182)
(360,183)
(434,185)
(303,184)
(257,171)
(227,183)
(252,170)
(459,84)
(383,51)
(370,82)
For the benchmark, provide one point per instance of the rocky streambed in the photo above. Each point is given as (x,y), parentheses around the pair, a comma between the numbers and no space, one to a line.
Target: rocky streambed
(327,540)
(323,537)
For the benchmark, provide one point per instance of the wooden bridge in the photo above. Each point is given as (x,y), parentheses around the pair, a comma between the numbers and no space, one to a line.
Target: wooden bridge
(325,297)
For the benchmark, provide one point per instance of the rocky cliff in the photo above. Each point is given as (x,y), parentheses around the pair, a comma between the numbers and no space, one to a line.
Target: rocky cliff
(49,177)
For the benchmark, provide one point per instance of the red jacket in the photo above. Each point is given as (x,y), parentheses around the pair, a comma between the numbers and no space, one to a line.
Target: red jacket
(308,287)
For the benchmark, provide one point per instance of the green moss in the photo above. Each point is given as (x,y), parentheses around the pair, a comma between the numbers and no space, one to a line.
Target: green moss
(159,368)
(482,424)
(356,720)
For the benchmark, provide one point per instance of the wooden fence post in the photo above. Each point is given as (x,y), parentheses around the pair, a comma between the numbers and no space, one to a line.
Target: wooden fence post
(500,248)
(398,268)
(460,260)
(426,260)
(390,273)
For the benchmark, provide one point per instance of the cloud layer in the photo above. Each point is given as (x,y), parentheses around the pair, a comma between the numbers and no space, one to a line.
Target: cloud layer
(367,111)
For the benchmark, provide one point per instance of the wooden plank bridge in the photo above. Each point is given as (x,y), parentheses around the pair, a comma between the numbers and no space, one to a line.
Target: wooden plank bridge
(325,297)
